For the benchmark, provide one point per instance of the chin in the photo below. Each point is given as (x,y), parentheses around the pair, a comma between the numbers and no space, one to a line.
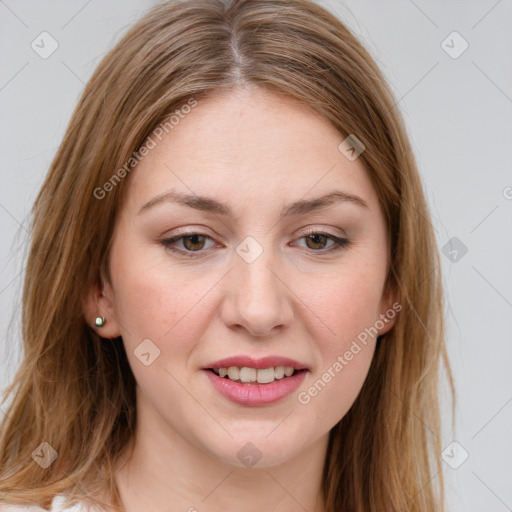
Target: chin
(259,451)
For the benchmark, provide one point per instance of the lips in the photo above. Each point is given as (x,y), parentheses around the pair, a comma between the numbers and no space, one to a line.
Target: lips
(255,394)
(287,375)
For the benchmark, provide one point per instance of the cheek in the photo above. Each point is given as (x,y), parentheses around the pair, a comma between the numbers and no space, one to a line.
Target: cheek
(344,310)
(162,304)
(345,352)
(346,302)
(334,390)
(158,301)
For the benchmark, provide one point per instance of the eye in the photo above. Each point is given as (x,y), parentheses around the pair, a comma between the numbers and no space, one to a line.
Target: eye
(192,242)
(317,240)
(195,242)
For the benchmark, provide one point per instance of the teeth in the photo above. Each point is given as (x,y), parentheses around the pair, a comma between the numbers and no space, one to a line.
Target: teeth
(288,371)
(248,374)
(265,375)
(279,372)
(233,373)
(261,375)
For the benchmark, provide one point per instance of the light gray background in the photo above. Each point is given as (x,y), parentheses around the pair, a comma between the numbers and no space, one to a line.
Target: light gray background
(459,115)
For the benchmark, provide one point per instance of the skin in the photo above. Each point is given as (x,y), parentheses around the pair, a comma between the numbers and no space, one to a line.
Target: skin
(255,151)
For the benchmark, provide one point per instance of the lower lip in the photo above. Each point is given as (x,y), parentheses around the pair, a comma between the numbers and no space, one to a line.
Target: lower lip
(256,394)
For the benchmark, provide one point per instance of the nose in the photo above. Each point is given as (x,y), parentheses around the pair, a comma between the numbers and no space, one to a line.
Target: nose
(258,296)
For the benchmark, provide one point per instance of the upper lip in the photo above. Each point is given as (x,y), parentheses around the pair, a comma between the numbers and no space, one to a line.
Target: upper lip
(250,362)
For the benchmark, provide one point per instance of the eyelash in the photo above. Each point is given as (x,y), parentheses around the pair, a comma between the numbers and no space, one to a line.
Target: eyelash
(339,243)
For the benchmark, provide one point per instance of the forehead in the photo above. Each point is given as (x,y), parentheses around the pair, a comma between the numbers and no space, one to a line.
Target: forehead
(248,144)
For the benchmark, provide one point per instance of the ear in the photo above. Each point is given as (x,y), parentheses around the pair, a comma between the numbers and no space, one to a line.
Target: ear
(389,310)
(99,301)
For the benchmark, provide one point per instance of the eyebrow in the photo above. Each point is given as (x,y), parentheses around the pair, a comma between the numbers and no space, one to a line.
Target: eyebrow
(299,207)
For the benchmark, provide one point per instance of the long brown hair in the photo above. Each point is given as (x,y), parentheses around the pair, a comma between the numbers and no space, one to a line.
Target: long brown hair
(75,390)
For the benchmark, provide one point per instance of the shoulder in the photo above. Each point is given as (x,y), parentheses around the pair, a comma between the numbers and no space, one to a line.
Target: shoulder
(5,507)
(57,506)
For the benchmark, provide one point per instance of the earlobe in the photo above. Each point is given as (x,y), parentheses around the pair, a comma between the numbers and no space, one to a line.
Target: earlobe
(98,309)
(390,308)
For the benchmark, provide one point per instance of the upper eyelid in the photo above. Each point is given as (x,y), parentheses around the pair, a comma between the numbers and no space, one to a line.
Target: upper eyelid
(309,231)
(306,230)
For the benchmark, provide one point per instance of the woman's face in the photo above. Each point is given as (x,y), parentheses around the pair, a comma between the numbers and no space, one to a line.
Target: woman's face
(251,277)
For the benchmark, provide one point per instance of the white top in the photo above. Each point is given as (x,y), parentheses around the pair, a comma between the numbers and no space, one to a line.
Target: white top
(57,506)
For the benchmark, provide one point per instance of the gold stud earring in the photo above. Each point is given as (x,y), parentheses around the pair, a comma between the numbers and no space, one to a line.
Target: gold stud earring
(100,321)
